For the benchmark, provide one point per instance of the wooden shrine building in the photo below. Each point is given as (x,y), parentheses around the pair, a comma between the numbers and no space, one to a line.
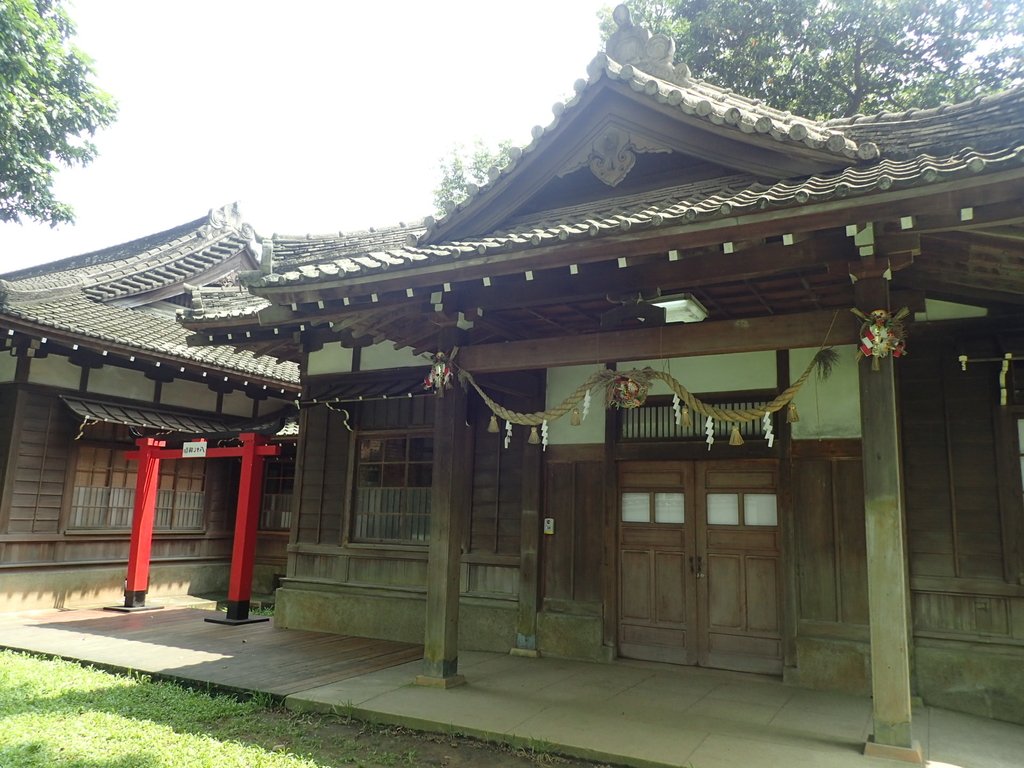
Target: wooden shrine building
(861,532)
(97,360)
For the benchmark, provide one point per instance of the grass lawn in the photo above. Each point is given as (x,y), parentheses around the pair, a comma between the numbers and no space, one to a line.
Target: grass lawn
(58,714)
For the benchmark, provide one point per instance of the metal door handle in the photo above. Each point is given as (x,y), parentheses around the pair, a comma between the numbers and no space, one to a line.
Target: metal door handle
(697,569)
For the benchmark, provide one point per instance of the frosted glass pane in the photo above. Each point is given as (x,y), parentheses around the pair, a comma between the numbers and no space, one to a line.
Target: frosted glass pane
(669,508)
(723,509)
(636,508)
(760,509)
(1020,434)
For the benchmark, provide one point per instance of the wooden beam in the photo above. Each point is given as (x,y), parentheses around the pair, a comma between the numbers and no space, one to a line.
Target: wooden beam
(674,340)
(693,270)
(640,241)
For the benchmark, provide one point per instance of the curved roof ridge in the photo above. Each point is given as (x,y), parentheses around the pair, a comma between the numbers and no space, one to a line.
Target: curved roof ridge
(120,266)
(665,211)
(644,63)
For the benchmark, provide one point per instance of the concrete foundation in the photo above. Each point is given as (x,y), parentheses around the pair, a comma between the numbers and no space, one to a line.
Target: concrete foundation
(977,680)
(571,636)
(832,665)
(391,614)
(83,586)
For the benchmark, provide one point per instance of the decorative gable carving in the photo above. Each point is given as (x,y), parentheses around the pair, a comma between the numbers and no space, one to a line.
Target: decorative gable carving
(634,45)
(612,155)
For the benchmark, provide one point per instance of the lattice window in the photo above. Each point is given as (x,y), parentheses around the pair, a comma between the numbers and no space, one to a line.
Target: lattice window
(392,488)
(103,496)
(656,420)
(278,484)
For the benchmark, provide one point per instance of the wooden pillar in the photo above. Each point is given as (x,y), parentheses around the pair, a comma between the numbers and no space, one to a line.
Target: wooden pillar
(787,514)
(247,515)
(887,573)
(147,481)
(441,636)
(529,545)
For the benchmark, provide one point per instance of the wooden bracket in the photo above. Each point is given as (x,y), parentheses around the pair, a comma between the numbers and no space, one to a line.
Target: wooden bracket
(878,267)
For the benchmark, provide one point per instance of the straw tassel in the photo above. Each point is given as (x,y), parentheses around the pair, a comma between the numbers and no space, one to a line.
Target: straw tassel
(792,416)
(575,418)
(735,438)
(492,427)
(534,438)
(684,417)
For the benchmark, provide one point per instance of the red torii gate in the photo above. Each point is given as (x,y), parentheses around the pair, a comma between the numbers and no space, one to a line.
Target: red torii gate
(253,450)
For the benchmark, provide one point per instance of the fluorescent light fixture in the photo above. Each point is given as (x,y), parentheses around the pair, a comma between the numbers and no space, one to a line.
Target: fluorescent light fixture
(681,308)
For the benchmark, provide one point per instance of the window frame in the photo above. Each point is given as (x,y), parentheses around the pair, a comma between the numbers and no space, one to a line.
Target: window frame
(277,503)
(169,487)
(358,538)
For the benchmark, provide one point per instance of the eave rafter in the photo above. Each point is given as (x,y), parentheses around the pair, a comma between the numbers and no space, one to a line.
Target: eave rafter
(678,271)
(998,187)
(38,341)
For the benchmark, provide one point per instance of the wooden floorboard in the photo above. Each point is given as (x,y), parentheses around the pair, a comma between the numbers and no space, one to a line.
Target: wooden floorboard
(178,643)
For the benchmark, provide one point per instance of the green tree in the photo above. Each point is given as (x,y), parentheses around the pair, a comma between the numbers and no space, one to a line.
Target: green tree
(832,58)
(463,169)
(48,108)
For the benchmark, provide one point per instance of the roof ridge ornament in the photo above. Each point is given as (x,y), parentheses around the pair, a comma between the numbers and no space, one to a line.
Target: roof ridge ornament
(636,46)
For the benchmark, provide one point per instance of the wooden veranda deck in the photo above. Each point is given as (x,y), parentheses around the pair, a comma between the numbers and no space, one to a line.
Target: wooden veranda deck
(177,643)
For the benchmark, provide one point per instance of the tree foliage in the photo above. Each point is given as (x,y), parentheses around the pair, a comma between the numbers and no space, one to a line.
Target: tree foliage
(48,108)
(463,169)
(831,58)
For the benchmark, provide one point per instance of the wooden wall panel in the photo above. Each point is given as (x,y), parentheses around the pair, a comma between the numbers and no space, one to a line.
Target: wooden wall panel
(828,499)
(43,436)
(852,572)
(574,497)
(815,537)
(8,407)
(954,519)
(309,474)
(495,515)
(589,531)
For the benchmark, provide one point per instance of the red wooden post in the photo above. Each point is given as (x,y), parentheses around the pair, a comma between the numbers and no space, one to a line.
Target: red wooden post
(250,498)
(143,514)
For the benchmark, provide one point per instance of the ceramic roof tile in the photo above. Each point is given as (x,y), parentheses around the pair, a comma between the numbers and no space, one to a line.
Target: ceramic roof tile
(984,123)
(141,329)
(683,205)
(71,295)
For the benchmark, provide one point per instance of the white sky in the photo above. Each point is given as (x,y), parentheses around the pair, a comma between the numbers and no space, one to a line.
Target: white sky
(316,116)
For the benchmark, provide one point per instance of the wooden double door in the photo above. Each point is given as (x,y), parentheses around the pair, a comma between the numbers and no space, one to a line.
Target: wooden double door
(699,564)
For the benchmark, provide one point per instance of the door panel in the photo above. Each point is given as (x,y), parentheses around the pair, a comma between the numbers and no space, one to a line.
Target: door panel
(762,594)
(636,585)
(656,591)
(669,568)
(725,593)
(699,564)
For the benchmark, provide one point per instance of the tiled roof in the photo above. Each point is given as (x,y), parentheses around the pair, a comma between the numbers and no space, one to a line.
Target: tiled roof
(984,124)
(720,106)
(79,296)
(145,264)
(696,99)
(677,207)
(141,329)
(219,302)
(294,250)
(302,253)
